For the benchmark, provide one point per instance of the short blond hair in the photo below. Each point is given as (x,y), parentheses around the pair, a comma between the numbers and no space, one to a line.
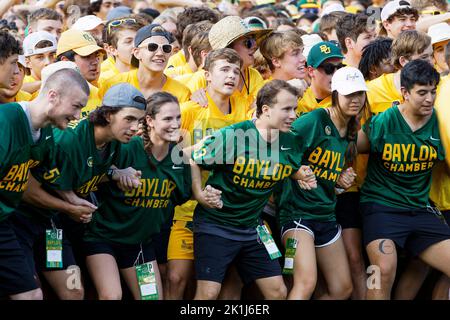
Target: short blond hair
(408,43)
(277,43)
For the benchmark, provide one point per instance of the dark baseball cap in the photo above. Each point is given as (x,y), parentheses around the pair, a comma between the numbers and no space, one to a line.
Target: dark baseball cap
(124,95)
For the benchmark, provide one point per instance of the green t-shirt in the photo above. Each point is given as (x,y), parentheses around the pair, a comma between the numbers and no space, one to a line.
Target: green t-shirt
(77,163)
(246,168)
(134,217)
(400,160)
(324,151)
(18,154)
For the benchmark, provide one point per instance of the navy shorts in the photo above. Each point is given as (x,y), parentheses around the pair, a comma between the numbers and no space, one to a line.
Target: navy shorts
(16,275)
(213,255)
(126,255)
(161,242)
(446,215)
(324,233)
(31,236)
(414,230)
(347,210)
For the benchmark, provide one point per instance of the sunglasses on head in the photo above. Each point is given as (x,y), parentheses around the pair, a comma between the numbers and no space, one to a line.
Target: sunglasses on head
(166,48)
(116,23)
(330,68)
(432,12)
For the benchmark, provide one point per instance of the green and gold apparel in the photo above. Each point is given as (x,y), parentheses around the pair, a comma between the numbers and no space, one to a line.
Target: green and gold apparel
(18,154)
(324,151)
(400,160)
(133,217)
(246,168)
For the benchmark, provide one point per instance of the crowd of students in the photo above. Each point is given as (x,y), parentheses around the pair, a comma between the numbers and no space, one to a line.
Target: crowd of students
(220,150)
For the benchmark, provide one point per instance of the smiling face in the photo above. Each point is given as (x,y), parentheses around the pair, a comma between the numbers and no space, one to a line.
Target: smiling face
(155,61)
(292,63)
(282,114)
(223,77)
(166,124)
(125,123)
(37,62)
(65,107)
(400,23)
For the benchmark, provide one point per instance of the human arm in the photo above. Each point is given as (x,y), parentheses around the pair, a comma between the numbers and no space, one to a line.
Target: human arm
(305,177)
(363,144)
(208,197)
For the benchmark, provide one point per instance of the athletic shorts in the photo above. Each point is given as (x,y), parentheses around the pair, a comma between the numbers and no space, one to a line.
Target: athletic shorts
(414,230)
(347,210)
(181,242)
(16,275)
(324,233)
(161,242)
(126,255)
(214,255)
(31,236)
(446,215)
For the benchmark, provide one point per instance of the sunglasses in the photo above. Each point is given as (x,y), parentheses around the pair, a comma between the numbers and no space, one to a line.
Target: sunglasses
(116,23)
(166,48)
(330,68)
(249,43)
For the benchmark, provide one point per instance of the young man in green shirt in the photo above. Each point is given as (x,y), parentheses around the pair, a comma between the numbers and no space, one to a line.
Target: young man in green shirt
(403,145)
(246,161)
(27,140)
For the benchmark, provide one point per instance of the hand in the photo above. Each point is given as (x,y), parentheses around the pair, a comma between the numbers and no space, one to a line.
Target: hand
(347,178)
(211,198)
(81,214)
(127,179)
(199,96)
(307,179)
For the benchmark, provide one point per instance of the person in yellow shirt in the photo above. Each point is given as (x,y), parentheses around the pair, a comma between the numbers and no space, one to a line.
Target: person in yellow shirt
(397,16)
(323,60)
(222,74)
(81,48)
(440,36)
(376,59)
(189,33)
(232,32)
(119,40)
(150,55)
(39,50)
(189,16)
(13,93)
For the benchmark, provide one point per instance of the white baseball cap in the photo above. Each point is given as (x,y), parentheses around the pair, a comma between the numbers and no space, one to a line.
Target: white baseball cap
(309,40)
(439,32)
(348,80)
(332,8)
(30,42)
(87,23)
(391,7)
(52,68)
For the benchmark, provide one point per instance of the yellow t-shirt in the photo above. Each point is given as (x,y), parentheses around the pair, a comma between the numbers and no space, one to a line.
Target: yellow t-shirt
(253,82)
(171,86)
(29,79)
(440,183)
(382,93)
(309,102)
(108,70)
(198,122)
(176,60)
(178,71)
(23,96)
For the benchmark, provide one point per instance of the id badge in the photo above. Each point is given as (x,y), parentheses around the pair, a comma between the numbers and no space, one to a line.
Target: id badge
(268,242)
(53,245)
(291,248)
(147,281)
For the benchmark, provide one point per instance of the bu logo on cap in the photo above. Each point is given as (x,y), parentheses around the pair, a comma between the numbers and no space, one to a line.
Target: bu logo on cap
(88,37)
(325,49)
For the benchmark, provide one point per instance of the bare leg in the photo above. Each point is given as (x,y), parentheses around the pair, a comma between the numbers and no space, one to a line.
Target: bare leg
(130,277)
(442,289)
(353,247)
(207,290)
(232,285)
(272,288)
(62,282)
(35,294)
(179,274)
(411,280)
(105,275)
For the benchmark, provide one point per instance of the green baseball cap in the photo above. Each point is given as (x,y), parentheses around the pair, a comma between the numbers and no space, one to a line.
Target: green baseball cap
(322,51)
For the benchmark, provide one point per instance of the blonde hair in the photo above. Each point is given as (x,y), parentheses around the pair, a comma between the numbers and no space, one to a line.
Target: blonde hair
(408,43)
(277,43)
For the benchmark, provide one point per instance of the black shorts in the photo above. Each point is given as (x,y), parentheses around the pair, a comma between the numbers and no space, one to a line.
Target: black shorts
(161,242)
(323,232)
(347,210)
(126,255)
(213,255)
(446,215)
(414,230)
(31,236)
(16,275)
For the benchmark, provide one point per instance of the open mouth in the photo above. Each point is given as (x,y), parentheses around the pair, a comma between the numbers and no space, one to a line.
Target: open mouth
(159,61)
(230,84)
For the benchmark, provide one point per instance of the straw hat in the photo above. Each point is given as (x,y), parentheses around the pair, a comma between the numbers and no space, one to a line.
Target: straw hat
(231,28)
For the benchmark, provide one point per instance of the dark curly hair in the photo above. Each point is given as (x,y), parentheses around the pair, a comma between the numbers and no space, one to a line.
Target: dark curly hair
(8,46)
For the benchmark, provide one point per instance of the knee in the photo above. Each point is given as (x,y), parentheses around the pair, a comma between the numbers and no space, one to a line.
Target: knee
(208,293)
(36,295)
(176,279)
(343,292)
(279,292)
(355,260)
(306,284)
(110,295)
(74,294)
(387,270)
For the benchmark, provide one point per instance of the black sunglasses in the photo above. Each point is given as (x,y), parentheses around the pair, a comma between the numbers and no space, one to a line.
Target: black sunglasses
(166,48)
(330,68)
(249,42)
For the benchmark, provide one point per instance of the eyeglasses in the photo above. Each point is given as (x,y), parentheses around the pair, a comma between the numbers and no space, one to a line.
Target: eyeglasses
(116,23)
(432,12)
(249,43)
(330,68)
(166,48)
